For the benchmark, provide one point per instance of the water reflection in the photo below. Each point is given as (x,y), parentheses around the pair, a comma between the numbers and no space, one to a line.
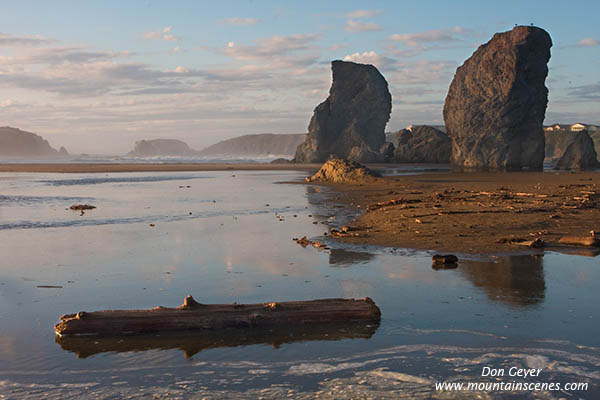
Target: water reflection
(194,342)
(346,258)
(515,280)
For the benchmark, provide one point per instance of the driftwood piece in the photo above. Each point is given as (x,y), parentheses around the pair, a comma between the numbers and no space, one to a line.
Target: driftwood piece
(588,241)
(193,342)
(193,316)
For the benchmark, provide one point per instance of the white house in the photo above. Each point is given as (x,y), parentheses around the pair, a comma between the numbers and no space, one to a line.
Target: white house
(577,127)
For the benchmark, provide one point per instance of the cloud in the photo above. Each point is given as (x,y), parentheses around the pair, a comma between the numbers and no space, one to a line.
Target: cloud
(277,51)
(337,46)
(8,40)
(432,36)
(61,55)
(586,92)
(358,26)
(362,14)
(240,21)
(371,57)
(164,34)
(423,72)
(588,42)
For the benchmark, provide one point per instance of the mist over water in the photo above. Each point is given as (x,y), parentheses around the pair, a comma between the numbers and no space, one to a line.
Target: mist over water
(225,237)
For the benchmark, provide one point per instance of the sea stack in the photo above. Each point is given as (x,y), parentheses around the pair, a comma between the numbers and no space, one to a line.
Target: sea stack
(422,144)
(350,123)
(497,102)
(580,154)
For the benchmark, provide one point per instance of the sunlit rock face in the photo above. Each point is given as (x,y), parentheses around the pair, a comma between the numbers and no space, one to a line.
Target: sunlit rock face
(497,101)
(350,123)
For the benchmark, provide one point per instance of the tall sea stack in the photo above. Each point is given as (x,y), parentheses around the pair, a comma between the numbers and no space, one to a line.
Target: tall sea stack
(350,123)
(497,102)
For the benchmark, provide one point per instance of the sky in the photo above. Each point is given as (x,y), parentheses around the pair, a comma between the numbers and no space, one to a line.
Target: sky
(97,76)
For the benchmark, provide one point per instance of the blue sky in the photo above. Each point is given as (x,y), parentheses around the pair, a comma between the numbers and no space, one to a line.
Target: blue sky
(96,76)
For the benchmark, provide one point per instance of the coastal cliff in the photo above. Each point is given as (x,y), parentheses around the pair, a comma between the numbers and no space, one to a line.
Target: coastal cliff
(17,143)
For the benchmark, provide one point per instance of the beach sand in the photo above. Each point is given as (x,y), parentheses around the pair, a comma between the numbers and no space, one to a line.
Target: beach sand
(475,213)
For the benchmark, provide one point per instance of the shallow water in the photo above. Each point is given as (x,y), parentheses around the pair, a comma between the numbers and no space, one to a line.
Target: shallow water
(217,236)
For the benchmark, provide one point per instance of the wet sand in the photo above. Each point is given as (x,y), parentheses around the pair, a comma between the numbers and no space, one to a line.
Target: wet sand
(475,213)
(151,167)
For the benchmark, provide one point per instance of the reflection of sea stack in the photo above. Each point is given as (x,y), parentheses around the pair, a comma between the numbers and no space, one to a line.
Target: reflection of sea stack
(515,280)
(350,123)
(346,258)
(497,101)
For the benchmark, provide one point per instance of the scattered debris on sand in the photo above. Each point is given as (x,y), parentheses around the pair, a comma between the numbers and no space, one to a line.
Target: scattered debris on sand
(344,231)
(304,241)
(476,212)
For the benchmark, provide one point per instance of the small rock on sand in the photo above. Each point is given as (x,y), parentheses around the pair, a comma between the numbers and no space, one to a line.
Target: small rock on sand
(444,259)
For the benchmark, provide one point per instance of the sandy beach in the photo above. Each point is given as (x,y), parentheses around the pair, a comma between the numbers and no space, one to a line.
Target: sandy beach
(474,213)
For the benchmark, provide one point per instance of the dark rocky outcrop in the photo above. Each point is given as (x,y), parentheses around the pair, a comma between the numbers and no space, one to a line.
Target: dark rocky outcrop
(17,143)
(338,170)
(281,161)
(161,147)
(580,154)
(256,145)
(557,142)
(497,101)
(351,121)
(422,144)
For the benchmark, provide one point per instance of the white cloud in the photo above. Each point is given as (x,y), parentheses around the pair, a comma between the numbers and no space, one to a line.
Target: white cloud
(164,34)
(367,57)
(240,21)
(362,14)
(358,26)
(588,42)
(431,36)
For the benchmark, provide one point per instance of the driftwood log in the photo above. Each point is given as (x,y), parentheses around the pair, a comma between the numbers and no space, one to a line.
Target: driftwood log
(192,315)
(193,342)
(589,241)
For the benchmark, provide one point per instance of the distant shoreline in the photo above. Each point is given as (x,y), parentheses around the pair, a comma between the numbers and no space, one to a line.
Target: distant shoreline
(151,167)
